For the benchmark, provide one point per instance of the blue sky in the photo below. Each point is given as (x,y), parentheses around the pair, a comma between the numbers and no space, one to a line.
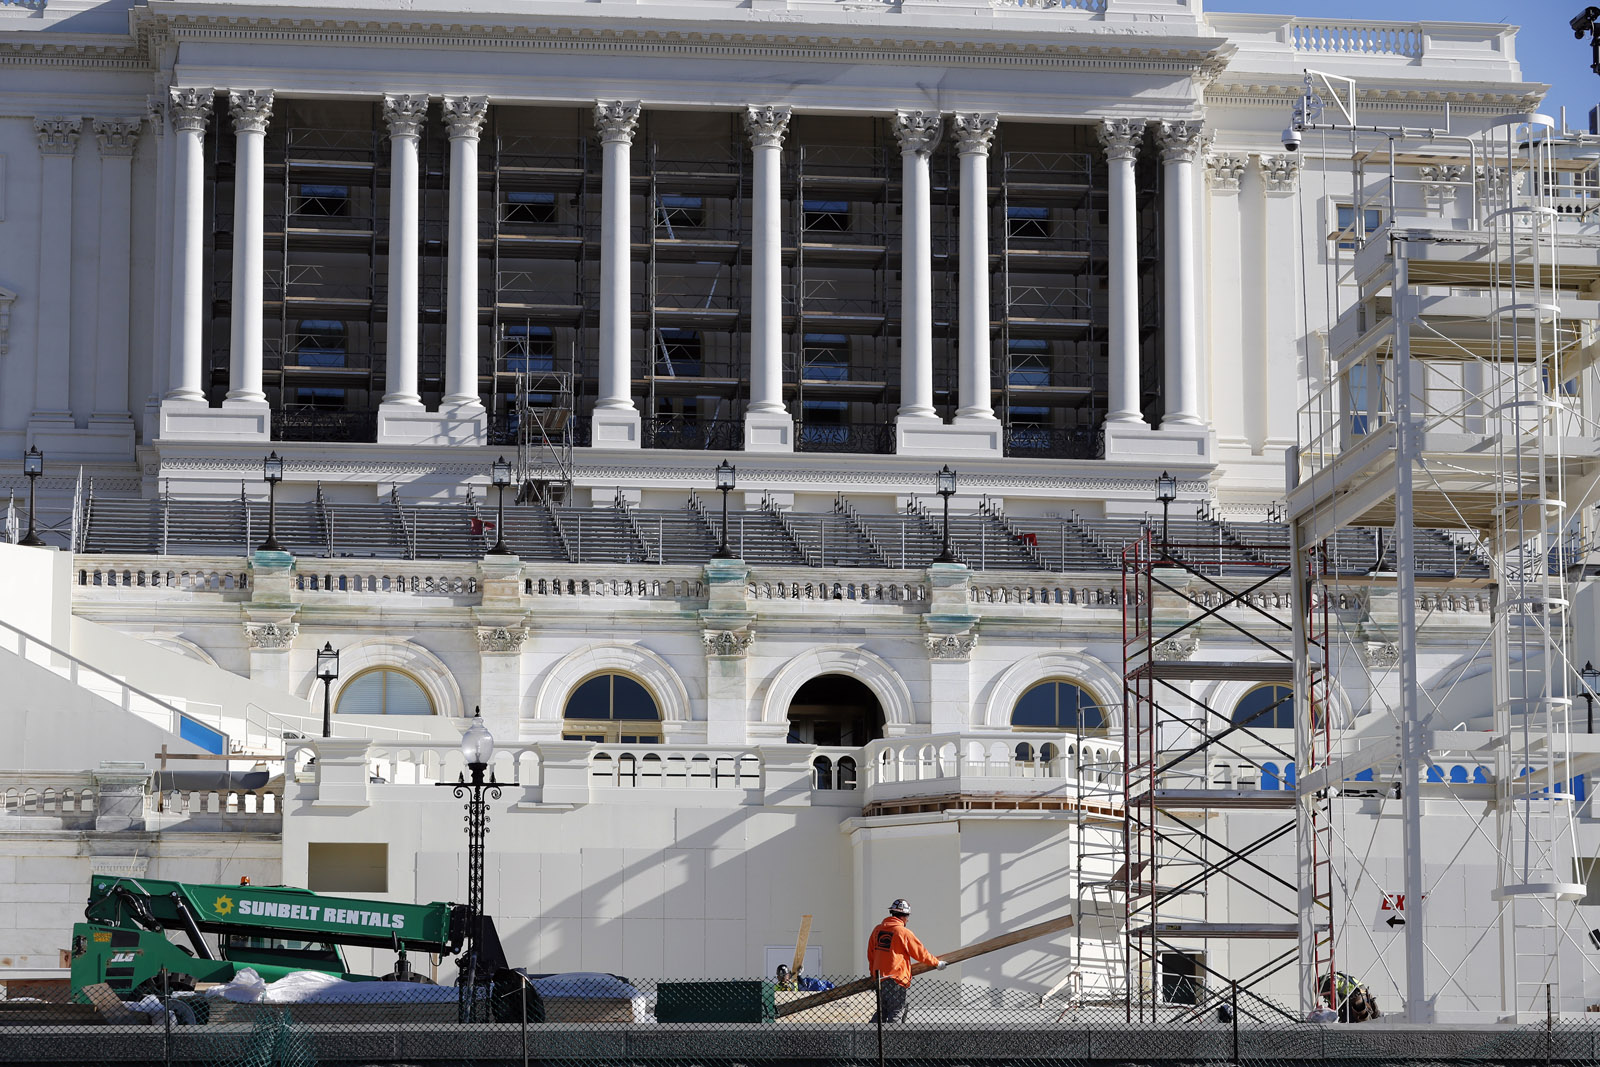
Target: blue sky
(1545,45)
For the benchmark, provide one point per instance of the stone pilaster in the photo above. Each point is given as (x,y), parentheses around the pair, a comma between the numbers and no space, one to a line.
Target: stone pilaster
(726,632)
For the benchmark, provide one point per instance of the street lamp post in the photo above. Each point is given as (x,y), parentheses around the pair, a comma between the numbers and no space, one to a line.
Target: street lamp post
(1166,492)
(272,471)
(945,481)
(725,482)
(477,748)
(500,475)
(327,670)
(33,467)
(1590,676)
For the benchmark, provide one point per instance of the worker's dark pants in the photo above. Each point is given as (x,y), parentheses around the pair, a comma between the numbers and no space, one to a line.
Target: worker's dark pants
(892,995)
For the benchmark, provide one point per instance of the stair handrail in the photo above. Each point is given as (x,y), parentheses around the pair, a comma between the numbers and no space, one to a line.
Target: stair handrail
(244,506)
(1112,557)
(408,531)
(843,507)
(166,521)
(326,516)
(477,515)
(80,529)
(178,714)
(698,507)
(1255,552)
(917,508)
(561,532)
(316,721)
(788,529)
(996,511)
(624,507)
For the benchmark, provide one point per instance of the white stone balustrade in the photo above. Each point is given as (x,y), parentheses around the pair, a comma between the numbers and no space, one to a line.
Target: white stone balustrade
(1062,766)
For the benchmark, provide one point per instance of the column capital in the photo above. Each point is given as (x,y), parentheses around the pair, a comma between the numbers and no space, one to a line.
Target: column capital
(117,137)
(1224,169)
(464,116)
(405,113)
(1280,171)
(251,109)
(974,130)
(155,112)
(766,125)
(615,120)
(1180,140)
(1121,137)
(918,131)
(58,134)
(191,108)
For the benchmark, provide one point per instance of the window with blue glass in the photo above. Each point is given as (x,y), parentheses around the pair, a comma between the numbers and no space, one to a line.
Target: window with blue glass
(324,397)
(1030,362)
(827,358)
(674,211)
(1356,386)
(826,216)
(678,353)
(529,349)
(1349,236)
(320,343)
(611,708)
(530,206)
(1028,221)
(1058,704)
(1266,707)
(324,201)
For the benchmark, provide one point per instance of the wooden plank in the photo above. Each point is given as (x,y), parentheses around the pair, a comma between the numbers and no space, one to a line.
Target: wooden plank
(993,944)
(800,944)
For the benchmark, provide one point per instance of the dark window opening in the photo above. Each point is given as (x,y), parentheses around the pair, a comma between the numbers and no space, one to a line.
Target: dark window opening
(834,710)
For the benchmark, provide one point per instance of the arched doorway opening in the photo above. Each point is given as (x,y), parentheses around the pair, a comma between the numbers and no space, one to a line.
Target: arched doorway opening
(834,710)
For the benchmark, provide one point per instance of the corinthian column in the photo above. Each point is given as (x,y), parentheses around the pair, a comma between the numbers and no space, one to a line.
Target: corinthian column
(110,416)
(1180,144)
(251,109)
(974,131)
(615,423)
(405,114)
(918,133)
(464,116)
(191,110)
(767,425)
(1121,138)
(52,403)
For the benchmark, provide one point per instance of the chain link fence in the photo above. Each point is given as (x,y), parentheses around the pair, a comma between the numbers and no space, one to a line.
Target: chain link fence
(599,1020)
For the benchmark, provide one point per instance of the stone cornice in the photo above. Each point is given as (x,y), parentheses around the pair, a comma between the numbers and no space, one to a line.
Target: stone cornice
(1125,49)
(83,51)
(1466,99)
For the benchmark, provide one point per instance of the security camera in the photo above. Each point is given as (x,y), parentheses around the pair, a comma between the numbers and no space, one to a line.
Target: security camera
(1584,22)
(1291,139)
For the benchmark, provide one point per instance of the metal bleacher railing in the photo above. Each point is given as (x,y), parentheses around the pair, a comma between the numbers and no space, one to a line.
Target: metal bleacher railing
(845,536)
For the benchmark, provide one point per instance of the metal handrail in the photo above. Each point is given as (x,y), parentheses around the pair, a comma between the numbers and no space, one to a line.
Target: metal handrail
(82,665)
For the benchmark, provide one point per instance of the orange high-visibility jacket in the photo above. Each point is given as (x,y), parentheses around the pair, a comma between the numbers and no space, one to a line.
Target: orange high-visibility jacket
(891,948)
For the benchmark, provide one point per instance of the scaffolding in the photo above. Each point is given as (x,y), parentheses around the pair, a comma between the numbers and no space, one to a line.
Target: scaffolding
(1450,395)
(1192,764)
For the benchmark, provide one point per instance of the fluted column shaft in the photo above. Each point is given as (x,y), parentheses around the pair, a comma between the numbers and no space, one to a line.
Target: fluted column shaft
(251,110)
(1121,138)
(918,133)
(1180,144)
(405,114)
(58,141)
(464,116)
(766,126)
(973,132)
(117,138)
(615,122)
(191,109)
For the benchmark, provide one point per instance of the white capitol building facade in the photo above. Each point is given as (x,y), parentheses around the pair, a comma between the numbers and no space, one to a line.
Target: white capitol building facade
(1060,248)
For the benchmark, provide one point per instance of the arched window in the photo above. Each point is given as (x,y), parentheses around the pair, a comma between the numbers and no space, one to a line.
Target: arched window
(1058,705)
(1266,707)
(382,691)
(612,709)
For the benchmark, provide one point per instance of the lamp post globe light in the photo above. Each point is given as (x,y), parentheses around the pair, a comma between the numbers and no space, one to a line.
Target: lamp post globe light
(1166,492)
(1590,676)
(477,750)
(327,671)
(945,483)
(33,467)
(272,473)
(500,476)
(725,482)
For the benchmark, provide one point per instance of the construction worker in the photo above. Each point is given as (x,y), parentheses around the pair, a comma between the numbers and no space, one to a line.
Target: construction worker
(891,949)
(1354,1001)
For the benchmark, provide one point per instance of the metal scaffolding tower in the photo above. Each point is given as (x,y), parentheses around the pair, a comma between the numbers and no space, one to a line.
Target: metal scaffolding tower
(1449,396)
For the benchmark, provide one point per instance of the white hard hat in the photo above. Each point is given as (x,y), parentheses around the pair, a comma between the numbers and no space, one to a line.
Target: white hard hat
(901,906)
